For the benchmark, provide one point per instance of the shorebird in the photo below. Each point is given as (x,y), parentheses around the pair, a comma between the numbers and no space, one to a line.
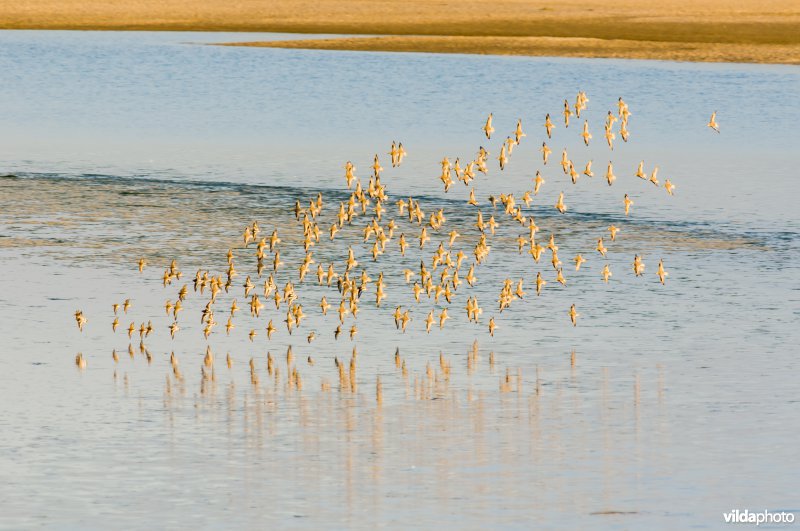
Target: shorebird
(606,273)
(653,176)
(662,274)
(573,315)
(429,322)
(560,206)
(537,182)
(470,278)
(401,153)
(567,113)
(80,319)
(488,129)
(586,134)
(610,136)
(453,235)
(552,244)
(510,143)
(502,158)
(518,134)
(638,266)
(610,177)
(545,152)
(565,162)
(628,203)
(712,123)
(402,243)
(601,248)
(623,109)
(548,125)
(404,320)
(572,173)
(519,292)
(640,171)
(555,261)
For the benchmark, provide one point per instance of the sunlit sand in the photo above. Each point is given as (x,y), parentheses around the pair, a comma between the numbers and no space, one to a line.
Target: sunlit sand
(709,30)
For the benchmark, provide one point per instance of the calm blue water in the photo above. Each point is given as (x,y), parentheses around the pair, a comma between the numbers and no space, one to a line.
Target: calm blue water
(682,404)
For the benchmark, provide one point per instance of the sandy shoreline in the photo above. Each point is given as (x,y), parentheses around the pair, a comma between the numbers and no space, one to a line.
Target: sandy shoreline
(761,31)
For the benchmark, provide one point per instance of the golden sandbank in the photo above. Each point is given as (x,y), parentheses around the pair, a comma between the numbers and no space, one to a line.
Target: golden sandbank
(762,31)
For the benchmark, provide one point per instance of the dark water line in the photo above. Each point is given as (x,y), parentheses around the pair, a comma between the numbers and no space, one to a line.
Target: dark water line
(460,211)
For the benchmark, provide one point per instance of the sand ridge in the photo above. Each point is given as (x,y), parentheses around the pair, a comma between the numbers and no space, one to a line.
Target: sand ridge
(553,47)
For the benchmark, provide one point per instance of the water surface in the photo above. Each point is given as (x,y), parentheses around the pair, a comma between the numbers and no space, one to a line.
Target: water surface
(681,403)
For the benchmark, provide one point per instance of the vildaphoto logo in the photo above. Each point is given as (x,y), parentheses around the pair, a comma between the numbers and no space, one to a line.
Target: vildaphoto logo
(764,517)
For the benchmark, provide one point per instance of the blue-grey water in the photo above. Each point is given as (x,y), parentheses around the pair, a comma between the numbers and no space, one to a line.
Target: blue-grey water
(682,401)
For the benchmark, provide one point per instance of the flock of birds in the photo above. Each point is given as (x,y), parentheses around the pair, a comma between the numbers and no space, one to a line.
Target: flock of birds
(438,277)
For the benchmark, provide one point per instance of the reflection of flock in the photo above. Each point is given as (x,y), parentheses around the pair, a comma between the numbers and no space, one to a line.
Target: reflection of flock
(439,280)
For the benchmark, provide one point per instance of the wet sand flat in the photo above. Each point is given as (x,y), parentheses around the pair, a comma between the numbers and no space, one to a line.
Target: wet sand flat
(706,30)
(555,46)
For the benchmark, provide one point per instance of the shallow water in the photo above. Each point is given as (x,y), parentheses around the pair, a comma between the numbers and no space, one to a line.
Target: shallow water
(681,403)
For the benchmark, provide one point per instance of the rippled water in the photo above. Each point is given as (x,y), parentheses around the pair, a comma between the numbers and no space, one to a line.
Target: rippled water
(681,402)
